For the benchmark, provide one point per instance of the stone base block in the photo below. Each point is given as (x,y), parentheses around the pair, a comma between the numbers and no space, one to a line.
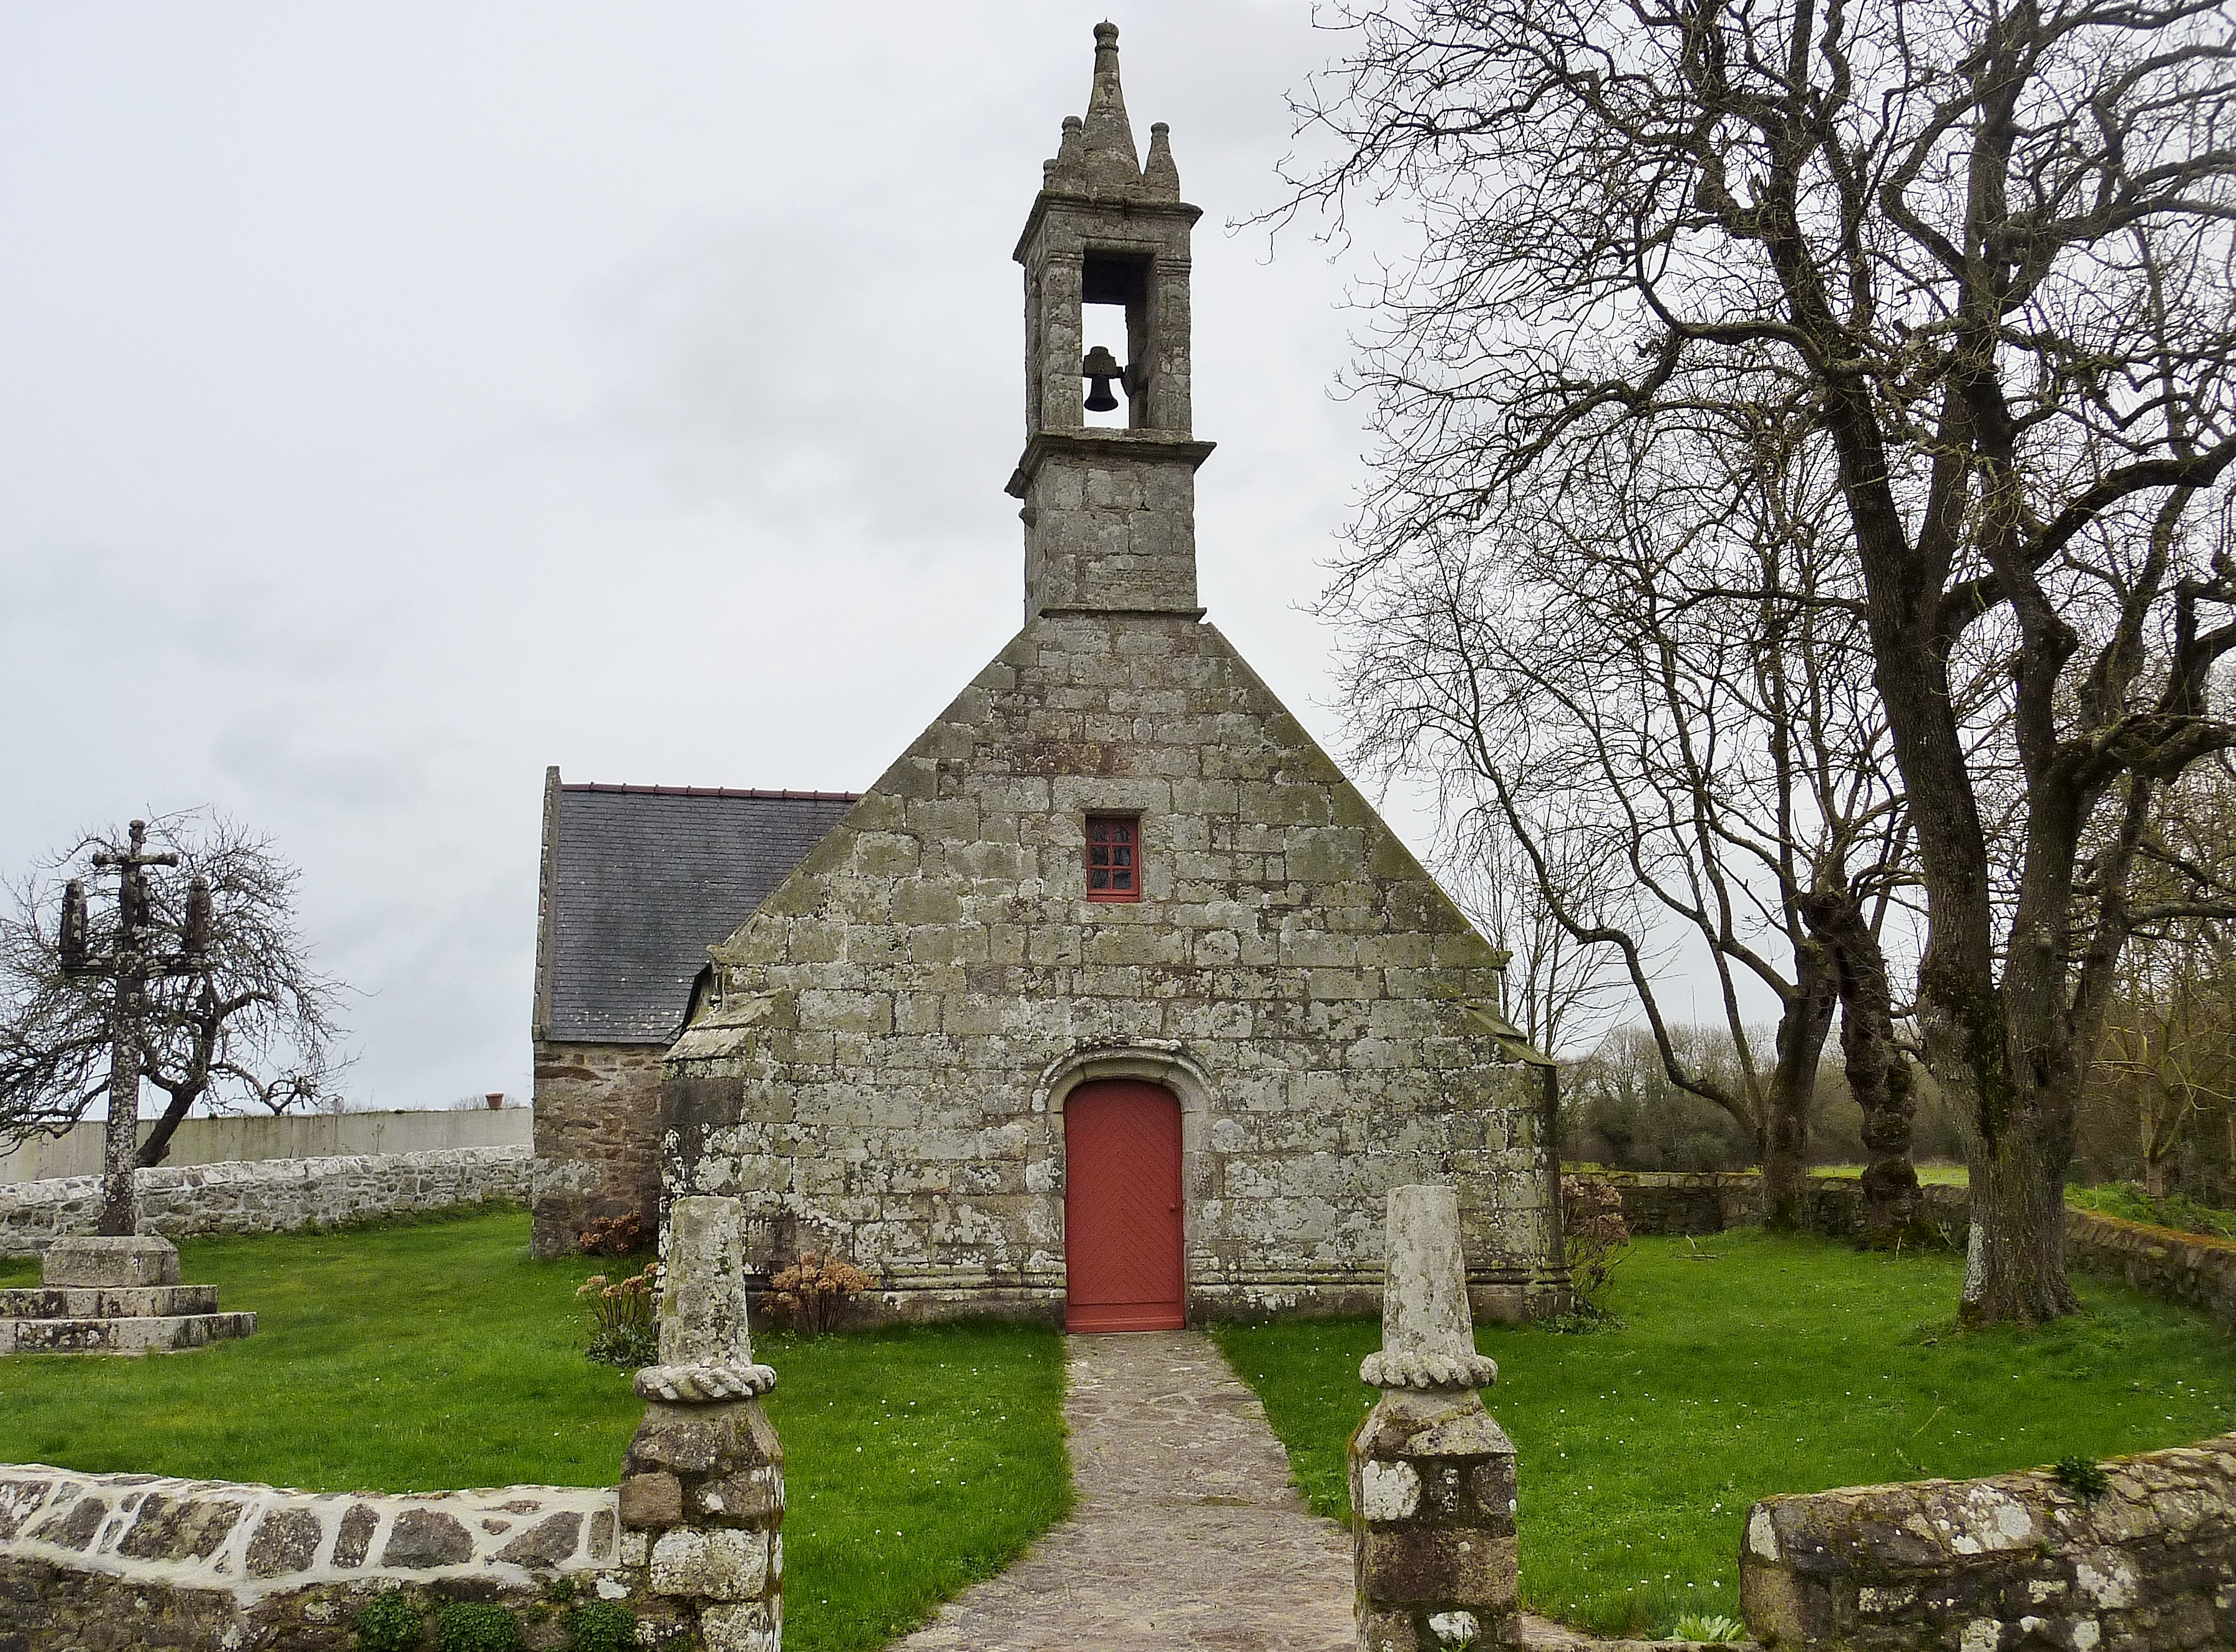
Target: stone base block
(100,1302)
(128,1333)
(1432,1478)
(133,1260)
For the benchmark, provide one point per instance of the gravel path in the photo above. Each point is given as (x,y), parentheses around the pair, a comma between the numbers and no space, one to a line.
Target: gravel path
(1186,1534)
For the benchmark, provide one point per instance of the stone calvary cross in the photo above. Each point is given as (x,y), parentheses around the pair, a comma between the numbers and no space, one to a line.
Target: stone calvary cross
(131,960)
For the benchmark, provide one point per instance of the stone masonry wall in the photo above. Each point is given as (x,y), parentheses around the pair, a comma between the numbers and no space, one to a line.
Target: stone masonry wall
(1681,1202)
(2194,1270)
(597,1138)
(91,1562)
(1997,1565)
(236,1138)
(267,1197)
(883,1069)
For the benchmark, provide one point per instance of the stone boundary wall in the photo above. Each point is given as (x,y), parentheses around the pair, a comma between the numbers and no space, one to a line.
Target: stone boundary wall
(2016,1560)
(2196,1270)
(186,1200)
(1658,1202)
(134,1560)
(238,1138)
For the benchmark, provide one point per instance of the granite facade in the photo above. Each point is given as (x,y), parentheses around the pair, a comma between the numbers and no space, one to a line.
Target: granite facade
(881,1071)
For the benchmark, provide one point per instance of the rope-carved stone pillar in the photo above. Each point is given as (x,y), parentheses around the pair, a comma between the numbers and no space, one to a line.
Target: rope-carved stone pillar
(702,1486)
(1431,1475)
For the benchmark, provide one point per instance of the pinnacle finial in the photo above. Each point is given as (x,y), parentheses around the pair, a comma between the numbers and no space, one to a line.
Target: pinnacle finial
(1161,178)
(1111,159)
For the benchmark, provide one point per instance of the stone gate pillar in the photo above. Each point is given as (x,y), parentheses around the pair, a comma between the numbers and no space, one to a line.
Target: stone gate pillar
(1431,1475)
(702,1485)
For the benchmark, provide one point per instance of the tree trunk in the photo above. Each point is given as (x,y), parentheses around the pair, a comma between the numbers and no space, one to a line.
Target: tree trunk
(2018,1205)
(1783,1137)
(157,1147)
(1878,1075)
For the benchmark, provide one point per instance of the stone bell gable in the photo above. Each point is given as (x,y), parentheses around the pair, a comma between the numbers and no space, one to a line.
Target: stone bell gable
(1113,999)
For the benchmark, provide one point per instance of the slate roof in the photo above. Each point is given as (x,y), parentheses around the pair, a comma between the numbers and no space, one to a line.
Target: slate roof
(639,879)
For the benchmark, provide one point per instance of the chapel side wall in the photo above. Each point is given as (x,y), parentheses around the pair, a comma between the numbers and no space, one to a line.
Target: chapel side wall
(598,1139)
(913,984)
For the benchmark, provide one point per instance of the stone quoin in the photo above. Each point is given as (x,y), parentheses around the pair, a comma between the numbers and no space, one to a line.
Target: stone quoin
(1114,856)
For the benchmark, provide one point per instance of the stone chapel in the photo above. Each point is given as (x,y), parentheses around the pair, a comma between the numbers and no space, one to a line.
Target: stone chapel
(1112,1001)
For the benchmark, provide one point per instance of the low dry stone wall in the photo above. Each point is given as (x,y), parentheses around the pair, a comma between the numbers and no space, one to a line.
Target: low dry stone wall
(234,1138)
(1997,1564)
(98,1561)
(2015,1561)
(2195,1270)
(275,1196)
(2190,1268)
(1681,1201)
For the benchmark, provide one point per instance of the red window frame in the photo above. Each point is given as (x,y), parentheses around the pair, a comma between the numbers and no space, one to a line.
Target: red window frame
(1113,857)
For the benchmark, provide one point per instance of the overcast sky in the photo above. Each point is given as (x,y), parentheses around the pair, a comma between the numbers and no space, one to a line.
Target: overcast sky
(396,398)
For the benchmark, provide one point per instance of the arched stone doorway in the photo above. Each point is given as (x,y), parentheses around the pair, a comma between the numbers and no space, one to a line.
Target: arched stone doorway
(1123,1234)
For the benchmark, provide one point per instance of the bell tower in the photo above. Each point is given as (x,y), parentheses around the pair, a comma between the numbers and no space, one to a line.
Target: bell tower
(1110,512)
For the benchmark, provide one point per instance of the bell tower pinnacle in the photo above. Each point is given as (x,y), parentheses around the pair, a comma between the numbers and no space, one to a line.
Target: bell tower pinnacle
(1109,513)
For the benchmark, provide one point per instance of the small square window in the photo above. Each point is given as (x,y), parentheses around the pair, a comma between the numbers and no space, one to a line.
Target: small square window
(1113,857)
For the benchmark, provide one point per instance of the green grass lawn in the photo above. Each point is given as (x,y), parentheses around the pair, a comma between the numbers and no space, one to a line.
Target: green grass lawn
(1929,1175)
(432,1355)
(1749,1365)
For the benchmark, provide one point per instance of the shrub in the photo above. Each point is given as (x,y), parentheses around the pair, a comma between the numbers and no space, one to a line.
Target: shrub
(813,1293)
(1694,1627)
(2081,1477)
(476,1626)
(389,1622)
(622,1235)
(624,1331)
(603,1626)
(1598,1238)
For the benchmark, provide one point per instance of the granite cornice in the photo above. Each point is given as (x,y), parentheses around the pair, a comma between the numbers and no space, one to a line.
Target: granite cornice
(1087,443)
(1100,204)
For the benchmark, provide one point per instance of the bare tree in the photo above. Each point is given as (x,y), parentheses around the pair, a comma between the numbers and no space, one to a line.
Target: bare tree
(1988,243)
(1557,991)
(2169,1049)
(1653,683)
(250,1025)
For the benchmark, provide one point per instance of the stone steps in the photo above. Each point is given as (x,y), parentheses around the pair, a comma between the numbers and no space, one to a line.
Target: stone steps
(121,1334)
(114,1295)
(105,1301)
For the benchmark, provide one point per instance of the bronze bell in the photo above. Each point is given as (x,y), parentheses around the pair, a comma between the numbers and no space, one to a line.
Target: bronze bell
(1101,366)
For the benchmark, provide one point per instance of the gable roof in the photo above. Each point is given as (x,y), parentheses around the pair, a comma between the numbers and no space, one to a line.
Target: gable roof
(638,880)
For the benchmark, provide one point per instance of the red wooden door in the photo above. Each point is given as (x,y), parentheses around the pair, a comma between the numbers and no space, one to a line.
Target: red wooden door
(1121,1207)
